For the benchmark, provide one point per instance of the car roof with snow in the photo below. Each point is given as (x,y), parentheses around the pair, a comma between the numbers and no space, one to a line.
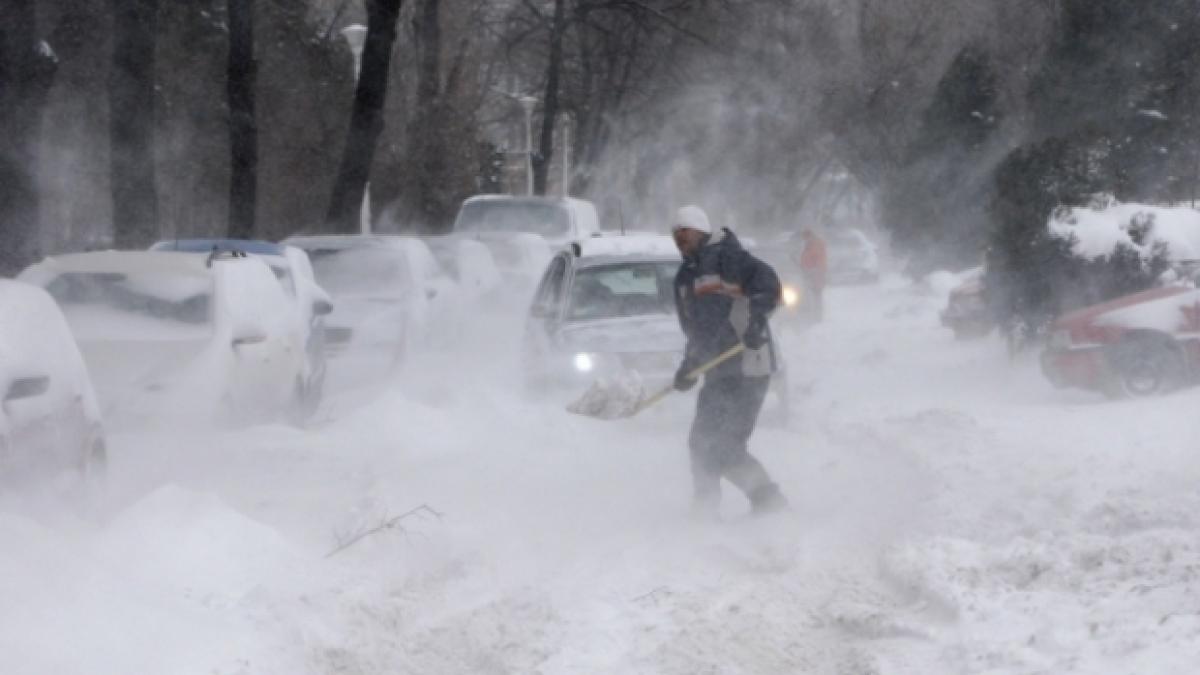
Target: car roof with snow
(127,261)
(348,241)
(610,248)
(252,246)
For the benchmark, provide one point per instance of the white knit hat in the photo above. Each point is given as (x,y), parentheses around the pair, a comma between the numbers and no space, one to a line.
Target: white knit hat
(692,218)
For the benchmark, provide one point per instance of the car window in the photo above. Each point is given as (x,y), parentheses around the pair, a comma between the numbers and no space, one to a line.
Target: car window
(161,297)
(549,292)
(627,289)
(361,271)
(500,216)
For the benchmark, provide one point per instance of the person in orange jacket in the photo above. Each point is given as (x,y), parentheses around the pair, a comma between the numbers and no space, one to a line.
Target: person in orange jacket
(814,265)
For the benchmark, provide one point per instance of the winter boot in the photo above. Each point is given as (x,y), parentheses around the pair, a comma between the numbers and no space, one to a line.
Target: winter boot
(767,499)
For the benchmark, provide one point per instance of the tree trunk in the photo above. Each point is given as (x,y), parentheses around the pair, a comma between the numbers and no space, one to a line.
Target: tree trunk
(27,68)
(426,135)
(366,120)
(243,132)
(131,123)
(541,164)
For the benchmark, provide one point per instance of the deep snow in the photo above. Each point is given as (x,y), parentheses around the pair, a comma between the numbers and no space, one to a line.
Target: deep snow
(952,514)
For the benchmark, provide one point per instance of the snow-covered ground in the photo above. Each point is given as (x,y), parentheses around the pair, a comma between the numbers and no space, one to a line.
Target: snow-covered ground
(952,514)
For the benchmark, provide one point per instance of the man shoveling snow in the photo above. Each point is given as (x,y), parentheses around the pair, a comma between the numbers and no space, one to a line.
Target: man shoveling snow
(724,296)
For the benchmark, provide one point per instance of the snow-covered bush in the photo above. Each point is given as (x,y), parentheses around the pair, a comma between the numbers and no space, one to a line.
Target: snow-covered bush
(1058,243)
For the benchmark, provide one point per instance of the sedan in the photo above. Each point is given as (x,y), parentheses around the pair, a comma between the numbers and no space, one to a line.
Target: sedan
(49,417)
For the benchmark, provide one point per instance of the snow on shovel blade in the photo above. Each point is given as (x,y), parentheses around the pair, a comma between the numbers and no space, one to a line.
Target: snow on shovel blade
(611,397)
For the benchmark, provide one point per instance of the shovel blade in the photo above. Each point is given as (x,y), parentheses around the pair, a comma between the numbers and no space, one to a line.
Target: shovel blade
(611,398)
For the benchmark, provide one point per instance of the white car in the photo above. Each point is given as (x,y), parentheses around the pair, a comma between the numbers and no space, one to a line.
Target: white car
(524,232)
(178,337)
(606,306)
(49,418)
(385,290)
(311,303)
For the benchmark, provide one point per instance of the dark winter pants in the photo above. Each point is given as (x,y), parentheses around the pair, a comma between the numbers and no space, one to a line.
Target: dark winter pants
(726,412)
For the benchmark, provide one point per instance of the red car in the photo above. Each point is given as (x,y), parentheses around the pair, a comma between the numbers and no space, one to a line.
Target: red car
(1137,345)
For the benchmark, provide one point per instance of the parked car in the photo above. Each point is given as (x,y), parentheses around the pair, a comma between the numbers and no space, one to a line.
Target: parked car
(385,290)
(605,306)
(310,302)
(557,220)
(966,311)
(181,336)
(1138,345)
(852,257)
(49,419)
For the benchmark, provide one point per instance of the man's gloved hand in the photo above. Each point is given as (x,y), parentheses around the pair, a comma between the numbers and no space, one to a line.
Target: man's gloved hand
(756,333)
(682,381)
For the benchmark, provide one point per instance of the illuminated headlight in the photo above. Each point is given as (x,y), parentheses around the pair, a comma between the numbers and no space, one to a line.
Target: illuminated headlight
(791,296)
(584,363)
(1060,339)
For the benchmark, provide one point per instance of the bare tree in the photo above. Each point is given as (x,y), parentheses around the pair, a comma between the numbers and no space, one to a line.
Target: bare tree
(366,120)
(131,123)
(243,130)
(27,67)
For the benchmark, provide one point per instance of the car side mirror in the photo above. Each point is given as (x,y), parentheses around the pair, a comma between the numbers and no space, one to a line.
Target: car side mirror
(27,387)
(322,308)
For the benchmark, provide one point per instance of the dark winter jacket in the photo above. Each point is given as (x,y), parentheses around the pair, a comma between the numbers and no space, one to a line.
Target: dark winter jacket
(720,292)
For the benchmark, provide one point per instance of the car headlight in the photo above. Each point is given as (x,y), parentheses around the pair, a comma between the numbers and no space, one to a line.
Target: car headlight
(584,362)
(1060,339)
(791,296)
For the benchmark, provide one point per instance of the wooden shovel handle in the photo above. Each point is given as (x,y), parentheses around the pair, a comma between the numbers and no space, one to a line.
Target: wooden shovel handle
(695,374)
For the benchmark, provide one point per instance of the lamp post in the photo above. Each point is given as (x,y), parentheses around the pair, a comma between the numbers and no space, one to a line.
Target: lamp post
(528,103)
(356,37)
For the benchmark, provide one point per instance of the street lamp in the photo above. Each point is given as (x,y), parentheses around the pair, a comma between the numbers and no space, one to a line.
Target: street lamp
(356,37)
(528,103)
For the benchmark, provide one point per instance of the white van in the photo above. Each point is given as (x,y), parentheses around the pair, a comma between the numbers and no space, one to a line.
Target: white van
(557,220)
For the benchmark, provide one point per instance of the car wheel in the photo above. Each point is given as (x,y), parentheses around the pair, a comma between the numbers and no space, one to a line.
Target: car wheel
(1146,367)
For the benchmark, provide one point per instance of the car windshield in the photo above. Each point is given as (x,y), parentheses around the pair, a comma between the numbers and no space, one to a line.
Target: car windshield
(159,303)
(622,290)
(489,216)
(360,271)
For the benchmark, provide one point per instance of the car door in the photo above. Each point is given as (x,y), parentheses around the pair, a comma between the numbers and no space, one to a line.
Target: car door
(545,315)
(265,346)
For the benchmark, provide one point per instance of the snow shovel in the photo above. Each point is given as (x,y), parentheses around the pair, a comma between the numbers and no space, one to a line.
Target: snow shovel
(608,400)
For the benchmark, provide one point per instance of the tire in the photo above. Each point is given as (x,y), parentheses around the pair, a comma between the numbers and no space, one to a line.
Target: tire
(1145,366)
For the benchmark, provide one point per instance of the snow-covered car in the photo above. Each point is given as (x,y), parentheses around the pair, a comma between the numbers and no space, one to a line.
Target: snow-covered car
(605,307)
(385,290)
(180,336)
(1138,345)
(852,258)
(966,311)
(310,302)
(49,417)
(557,220)
(524,232)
